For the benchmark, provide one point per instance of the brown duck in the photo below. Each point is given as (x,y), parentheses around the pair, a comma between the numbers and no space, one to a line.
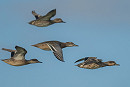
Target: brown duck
(44,21)
(18,57)
(55,47)
(94,63)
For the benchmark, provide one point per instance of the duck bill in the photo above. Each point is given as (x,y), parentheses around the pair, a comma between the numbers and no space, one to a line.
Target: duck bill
(39,62)
(63,22)
(76,45)
(117,64)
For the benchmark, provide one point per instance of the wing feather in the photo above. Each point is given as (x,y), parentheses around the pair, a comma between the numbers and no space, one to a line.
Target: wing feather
(49,15)
(37,16)
(20,53)
(57,51)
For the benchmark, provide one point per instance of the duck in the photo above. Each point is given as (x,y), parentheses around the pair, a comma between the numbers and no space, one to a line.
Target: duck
(18,57)
(44,21)
(94,63)
(55,47)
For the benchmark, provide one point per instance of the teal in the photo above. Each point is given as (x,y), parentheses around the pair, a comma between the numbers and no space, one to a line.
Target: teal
(18,57)
(94,63)
(44,21)
(55,47)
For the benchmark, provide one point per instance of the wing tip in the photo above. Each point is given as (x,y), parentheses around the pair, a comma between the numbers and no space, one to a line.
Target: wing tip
(62,61)
(3,49)
(16,46)
(54,9)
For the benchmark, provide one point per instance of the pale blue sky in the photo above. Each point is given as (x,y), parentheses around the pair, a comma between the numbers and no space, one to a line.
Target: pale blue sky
(101,28)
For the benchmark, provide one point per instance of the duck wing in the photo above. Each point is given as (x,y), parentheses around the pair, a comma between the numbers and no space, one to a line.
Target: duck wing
(9,50)
(20,53)
(49,15)
(81,60)
(90,59)
(86,59)
(57,51)
(37,16)
(94,59)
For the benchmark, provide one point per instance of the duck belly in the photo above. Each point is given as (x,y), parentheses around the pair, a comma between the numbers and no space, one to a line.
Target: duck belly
(17,63)
(91,66)
(42,23)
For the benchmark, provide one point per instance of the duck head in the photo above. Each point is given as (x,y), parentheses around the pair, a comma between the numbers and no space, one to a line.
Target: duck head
(34,61)
(70,44)
(111,63)
(58,20)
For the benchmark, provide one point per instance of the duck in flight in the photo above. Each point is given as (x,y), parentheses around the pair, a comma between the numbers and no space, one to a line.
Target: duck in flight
(44,21)
(18,57)
(55,47)
(94,63)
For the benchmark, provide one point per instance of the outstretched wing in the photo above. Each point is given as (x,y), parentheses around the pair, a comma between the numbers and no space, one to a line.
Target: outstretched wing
(20,53)
(90,59)
(57,51)
(36,15)
(9,50)
(81,59)
(87,59)
(49,15)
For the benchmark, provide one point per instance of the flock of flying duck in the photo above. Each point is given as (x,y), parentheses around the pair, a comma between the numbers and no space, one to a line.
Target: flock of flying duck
(18,55)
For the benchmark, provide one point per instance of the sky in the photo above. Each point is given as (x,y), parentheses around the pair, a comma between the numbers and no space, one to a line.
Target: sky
(101,28)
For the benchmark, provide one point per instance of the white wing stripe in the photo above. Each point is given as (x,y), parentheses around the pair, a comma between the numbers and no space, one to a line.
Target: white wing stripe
(51,47)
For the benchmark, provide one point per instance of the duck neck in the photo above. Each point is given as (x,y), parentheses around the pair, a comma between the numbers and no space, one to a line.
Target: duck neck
(63,45)
(52,21)
(103,64)
(28,62)
(106,63)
